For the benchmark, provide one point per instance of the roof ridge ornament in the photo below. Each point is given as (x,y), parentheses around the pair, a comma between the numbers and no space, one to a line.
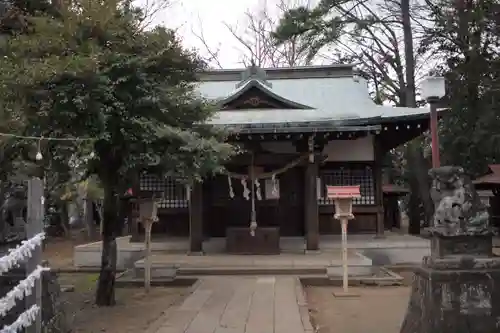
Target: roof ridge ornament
(253,72)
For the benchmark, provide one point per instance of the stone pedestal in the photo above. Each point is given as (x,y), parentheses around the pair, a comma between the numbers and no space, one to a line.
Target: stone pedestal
(455,295)
(461,245)
(454,291)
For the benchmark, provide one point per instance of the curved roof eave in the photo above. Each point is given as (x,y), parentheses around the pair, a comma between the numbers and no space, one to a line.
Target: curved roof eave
(394,117)
(262,87)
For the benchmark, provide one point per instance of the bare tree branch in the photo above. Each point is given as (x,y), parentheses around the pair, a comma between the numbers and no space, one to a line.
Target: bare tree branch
(257,44)
(151,8)
(213,53)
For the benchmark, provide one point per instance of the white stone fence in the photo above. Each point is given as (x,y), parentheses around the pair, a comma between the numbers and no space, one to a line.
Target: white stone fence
(24,288)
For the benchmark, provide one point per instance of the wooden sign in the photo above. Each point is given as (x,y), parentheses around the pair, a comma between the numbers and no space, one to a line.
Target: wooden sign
(343,192)
(148,209)
(148,214)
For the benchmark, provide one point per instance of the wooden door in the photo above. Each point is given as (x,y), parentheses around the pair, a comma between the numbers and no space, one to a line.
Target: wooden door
(291,202)
(287,212)
(222,211)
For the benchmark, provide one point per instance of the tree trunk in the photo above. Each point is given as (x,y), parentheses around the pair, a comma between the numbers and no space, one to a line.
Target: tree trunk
(421,205)
(64,218)
(105,295)
(409,54)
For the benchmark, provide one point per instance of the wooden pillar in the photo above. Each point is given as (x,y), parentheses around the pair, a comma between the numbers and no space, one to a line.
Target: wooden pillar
(134,215)
(379,193)
(494,209)
(34,226)
(196,219)
(311,213)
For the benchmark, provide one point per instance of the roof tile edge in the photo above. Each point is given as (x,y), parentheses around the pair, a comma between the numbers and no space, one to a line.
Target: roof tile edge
(281,73)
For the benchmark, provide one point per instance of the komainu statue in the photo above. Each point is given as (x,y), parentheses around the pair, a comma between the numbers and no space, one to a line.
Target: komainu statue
(456,288)
(458,210)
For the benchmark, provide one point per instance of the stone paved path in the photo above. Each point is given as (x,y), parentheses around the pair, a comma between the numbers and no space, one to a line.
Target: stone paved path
(240,305)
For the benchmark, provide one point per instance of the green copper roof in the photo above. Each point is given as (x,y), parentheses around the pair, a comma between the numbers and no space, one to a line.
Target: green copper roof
(262,86)
(334,94)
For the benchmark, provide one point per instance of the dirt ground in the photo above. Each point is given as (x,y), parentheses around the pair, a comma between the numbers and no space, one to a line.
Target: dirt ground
(59,251)
(376,310)
(134,311)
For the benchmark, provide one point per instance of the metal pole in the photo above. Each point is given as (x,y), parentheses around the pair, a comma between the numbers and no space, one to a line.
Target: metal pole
(345,275)
(434,134)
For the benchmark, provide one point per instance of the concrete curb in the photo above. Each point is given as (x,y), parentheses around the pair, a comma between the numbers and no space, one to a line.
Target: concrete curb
(303,307)
(155,326)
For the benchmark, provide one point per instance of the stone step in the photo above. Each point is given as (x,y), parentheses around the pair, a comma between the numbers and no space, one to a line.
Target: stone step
(171,266)
(201,271)
(172,271)
(157,272)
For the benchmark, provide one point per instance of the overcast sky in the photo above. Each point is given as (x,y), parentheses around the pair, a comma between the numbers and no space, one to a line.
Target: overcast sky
(190,16)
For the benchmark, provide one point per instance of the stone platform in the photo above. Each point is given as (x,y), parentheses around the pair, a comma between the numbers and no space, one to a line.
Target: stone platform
(392,249)
(164,265)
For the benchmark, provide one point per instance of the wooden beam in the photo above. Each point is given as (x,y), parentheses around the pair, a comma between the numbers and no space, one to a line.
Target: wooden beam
(296,136)
(311,210)
(34,226)
(377,177)
(394,135)
(264,158)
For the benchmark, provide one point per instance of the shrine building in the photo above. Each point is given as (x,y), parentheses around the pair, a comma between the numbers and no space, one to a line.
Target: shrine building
(302,128)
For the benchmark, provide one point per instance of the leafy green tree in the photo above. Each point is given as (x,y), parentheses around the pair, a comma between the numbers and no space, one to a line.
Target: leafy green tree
(130,92)
(466,35)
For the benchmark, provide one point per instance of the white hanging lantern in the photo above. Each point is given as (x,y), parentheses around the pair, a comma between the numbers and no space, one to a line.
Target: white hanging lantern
(433,87)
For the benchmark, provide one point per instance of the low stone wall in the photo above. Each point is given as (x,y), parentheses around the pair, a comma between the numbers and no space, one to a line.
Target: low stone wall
(89,255)
(395,256)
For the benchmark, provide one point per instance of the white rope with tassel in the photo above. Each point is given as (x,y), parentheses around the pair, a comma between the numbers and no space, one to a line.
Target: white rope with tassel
(20,253)
(268,174)
(231,190)
(21,290)
(274,190)
(258,193)
(246,191)
(26,319)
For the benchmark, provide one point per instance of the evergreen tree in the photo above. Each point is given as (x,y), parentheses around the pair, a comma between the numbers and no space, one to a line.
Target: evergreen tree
(91,72)
(466,37)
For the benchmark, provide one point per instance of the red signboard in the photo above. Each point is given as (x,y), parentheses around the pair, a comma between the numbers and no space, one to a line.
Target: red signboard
(343,192)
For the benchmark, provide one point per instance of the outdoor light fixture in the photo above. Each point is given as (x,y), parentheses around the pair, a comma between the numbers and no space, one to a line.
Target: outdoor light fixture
(433,89)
